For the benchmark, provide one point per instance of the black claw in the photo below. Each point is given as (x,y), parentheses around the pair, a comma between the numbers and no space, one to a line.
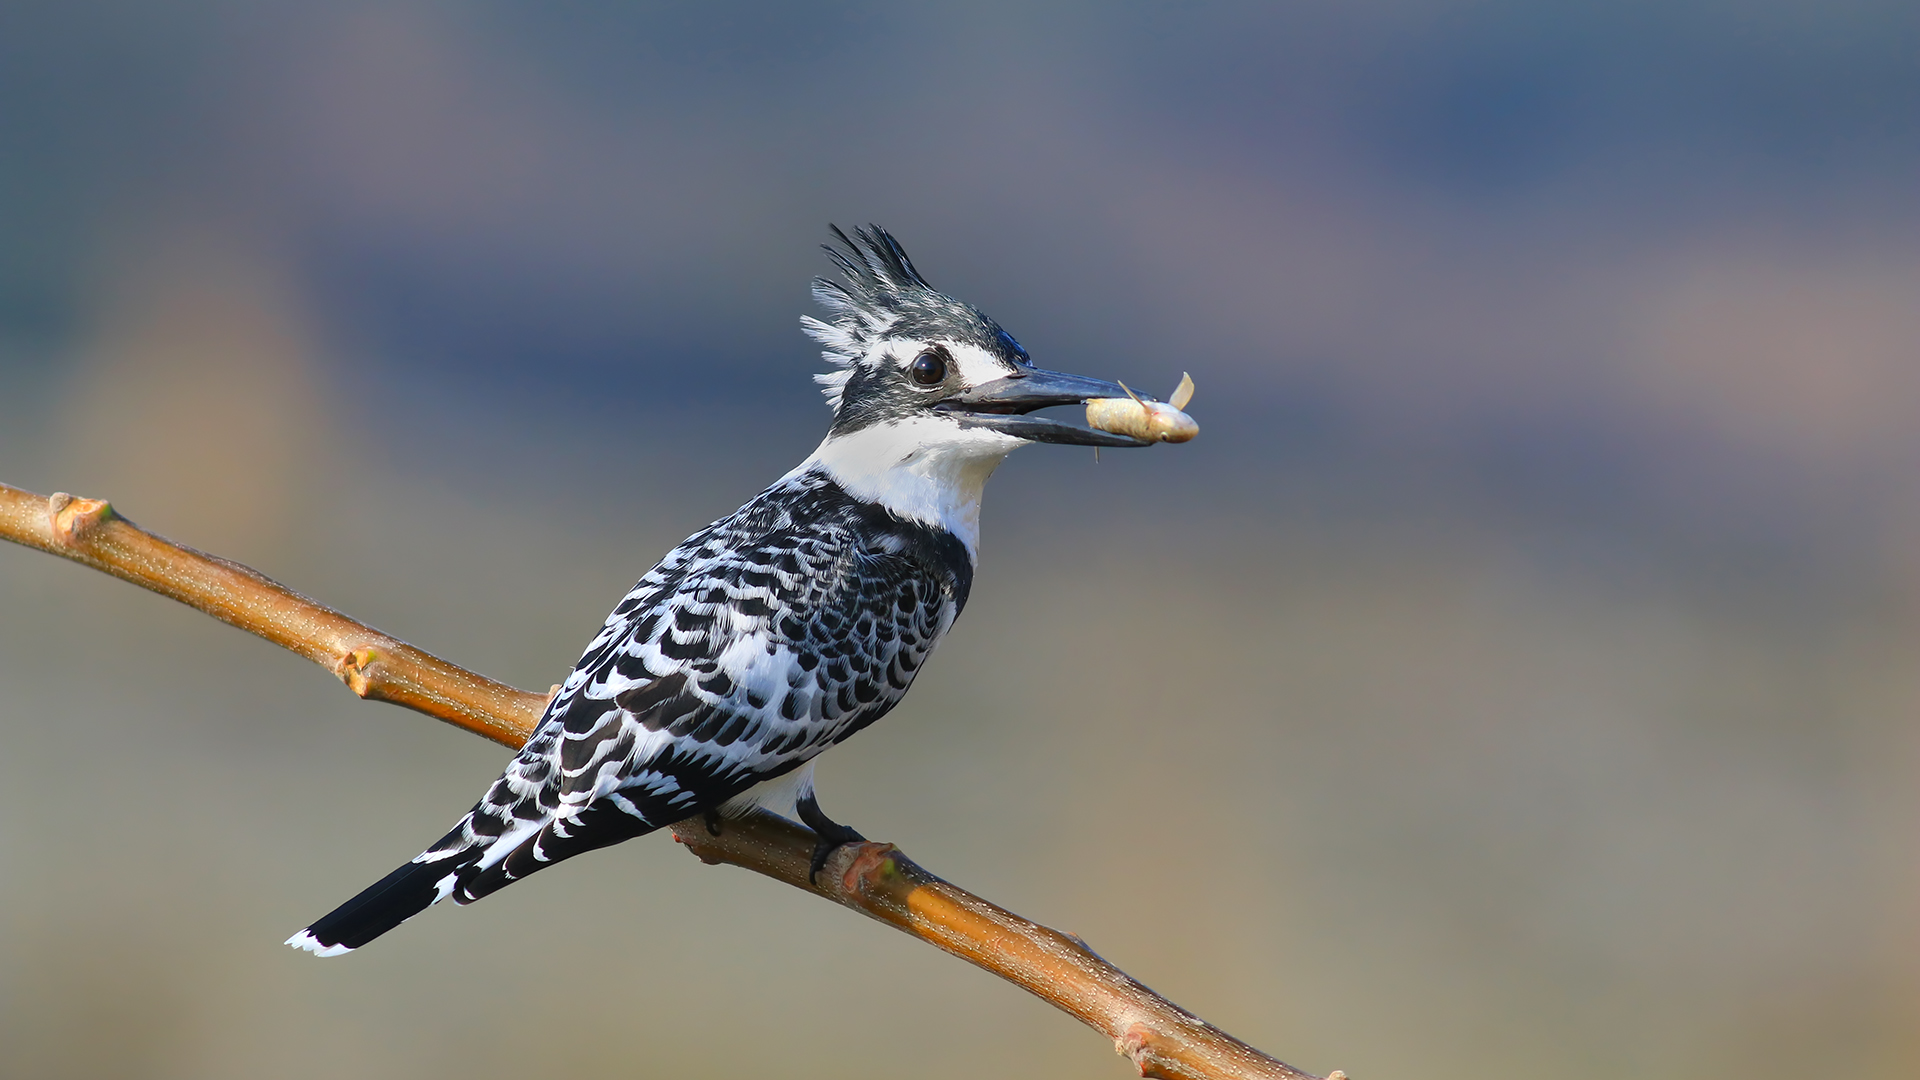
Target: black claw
(832,835)
(712,818)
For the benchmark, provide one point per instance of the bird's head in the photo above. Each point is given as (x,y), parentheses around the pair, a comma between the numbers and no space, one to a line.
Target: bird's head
(905,355)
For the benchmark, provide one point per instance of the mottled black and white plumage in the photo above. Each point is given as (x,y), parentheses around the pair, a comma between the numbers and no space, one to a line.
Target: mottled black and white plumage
(780,629)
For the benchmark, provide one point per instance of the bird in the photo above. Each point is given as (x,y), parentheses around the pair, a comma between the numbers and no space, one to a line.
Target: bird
(783,628)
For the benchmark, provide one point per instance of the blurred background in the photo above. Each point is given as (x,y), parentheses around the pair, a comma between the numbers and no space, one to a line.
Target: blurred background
(1517,677)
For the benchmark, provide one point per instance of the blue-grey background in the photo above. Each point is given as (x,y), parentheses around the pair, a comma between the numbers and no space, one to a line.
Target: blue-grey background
(1518,676)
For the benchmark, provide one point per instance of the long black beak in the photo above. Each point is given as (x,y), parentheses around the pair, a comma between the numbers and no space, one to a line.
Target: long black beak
(1001,405)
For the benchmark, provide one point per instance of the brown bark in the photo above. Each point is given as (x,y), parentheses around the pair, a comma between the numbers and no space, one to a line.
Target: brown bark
(877,880)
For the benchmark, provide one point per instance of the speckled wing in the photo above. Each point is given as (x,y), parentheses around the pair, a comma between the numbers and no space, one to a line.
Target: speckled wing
(757,643)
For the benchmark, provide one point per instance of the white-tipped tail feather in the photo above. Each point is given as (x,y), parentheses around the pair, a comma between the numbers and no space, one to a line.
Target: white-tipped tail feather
(305,940)
(409,890)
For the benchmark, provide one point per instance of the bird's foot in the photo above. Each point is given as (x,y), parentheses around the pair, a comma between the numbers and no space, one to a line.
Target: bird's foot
(712,818)
(832,835)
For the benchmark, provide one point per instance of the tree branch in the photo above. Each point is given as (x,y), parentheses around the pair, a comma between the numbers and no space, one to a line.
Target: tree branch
(877,880)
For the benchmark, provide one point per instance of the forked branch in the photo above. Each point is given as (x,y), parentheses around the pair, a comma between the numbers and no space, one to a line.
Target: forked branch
(1161,1039)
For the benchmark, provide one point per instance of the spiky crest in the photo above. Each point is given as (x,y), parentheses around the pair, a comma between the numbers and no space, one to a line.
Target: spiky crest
(883,294)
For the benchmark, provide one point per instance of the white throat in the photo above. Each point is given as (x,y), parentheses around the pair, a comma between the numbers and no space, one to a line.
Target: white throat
(930,470)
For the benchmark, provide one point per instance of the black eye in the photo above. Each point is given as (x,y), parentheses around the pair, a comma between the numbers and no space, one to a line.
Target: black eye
(928,369)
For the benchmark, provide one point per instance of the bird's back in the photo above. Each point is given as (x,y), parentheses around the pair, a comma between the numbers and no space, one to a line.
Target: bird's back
(759,641)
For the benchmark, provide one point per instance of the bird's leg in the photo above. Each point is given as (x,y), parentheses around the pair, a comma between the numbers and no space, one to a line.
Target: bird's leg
(831,833)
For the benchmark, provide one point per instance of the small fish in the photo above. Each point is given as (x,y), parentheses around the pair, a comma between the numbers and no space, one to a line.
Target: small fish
(1154,421)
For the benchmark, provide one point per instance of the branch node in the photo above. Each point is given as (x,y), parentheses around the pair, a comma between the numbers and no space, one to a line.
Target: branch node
(70,517)
(700,851)
(871,865)
(1136,1045)
(355,669)
(1337,1074)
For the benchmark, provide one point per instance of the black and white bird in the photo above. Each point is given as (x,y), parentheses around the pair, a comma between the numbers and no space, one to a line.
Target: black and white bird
(784,627)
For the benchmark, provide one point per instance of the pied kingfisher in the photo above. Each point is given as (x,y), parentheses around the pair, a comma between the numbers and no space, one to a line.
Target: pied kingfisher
(784,627)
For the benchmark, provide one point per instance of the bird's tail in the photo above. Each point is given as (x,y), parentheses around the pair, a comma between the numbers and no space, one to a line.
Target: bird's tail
(385,904)
(445,870)
(480,856)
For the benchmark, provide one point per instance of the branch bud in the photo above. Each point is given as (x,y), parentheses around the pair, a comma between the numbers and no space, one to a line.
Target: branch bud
(71,517)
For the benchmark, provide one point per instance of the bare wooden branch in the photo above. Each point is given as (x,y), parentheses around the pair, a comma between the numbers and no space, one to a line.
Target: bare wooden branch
(877,880)
(372,664)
